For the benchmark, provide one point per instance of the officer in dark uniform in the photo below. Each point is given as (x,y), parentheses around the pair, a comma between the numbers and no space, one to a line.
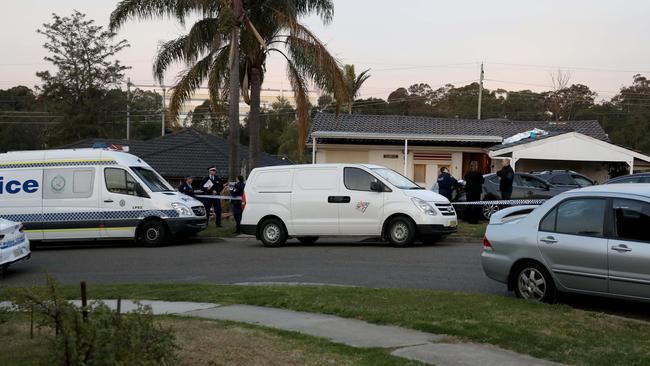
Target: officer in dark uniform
(236,192)
(446,183)
(213,188)
(186,187)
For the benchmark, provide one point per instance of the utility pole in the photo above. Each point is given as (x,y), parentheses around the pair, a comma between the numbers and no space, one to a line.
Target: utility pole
(480,92)
(128,108)
(162,128)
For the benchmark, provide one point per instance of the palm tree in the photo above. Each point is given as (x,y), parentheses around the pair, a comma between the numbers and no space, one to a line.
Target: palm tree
(206,49)
(354,83)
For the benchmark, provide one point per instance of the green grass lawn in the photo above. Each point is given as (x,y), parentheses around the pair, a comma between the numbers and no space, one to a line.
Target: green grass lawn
(227,229)
(471,230)
(555,332)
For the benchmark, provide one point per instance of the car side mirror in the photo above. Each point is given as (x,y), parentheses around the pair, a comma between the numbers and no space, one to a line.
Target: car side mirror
(140,191)
(376,187)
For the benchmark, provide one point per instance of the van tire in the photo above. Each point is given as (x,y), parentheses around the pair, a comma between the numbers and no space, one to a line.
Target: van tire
(401,232)
(272,233)
(307,239)
(152,233)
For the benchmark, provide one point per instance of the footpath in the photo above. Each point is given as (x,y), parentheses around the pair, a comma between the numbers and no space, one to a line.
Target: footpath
(406,343)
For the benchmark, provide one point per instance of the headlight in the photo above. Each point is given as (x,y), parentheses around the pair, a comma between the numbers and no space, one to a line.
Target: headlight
(424,207)
(182,209)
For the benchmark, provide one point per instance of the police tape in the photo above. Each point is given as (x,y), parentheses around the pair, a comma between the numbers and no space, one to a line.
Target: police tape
(501,202)
(219,197)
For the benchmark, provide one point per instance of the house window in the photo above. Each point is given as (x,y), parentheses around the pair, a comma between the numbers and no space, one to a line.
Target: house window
(420,172)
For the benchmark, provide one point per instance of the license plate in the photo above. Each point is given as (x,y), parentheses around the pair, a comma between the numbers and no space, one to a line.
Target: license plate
(453,223)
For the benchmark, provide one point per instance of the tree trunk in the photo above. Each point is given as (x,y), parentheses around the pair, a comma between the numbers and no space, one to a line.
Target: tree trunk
(233,103)
(254,120)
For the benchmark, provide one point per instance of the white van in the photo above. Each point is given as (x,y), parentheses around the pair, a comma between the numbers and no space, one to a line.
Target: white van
(309,201)
(93,194)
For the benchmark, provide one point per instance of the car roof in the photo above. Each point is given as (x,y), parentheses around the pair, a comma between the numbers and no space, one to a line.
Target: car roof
(309,166)
(640,189)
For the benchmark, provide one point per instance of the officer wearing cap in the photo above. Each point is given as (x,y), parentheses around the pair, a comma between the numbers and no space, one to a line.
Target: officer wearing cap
(212,186)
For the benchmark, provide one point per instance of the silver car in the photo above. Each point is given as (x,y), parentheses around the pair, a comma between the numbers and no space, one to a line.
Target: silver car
(594,240)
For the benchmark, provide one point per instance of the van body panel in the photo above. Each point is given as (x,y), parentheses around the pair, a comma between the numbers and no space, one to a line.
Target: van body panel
(313,212)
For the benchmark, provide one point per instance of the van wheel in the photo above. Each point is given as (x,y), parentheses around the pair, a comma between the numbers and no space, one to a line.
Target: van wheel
(307,239)
(533,282)
(272,233)
(152,234)
(401,232)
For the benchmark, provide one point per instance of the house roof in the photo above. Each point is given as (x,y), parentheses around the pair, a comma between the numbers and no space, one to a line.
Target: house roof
(186,152)
(395,125)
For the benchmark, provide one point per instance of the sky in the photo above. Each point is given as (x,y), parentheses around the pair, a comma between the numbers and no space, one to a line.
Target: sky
(601,43)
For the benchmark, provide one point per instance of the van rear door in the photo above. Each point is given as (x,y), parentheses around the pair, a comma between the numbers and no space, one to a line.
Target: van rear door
(315,200)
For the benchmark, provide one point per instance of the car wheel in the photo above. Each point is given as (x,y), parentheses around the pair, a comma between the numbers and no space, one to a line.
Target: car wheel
(272,233)
(401,232)
(533,282)
(307,239)
(489,209)
(153,234)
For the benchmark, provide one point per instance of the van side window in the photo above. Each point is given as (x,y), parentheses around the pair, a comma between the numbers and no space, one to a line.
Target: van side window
(119,181)
(68,183)
(356,179)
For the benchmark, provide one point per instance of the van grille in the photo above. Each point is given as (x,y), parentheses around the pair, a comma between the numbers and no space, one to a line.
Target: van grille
(446,209)
(199,210)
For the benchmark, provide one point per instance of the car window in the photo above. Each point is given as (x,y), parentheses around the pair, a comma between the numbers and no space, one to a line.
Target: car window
(357,179)
(562,179)
(548,222)
(494,179)
(532,182)
(581,217)
(629,179)
(119,181)
(582,181)
(631,219)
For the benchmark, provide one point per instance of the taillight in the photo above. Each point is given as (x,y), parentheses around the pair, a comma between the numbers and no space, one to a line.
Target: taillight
(243,201)
(486,244)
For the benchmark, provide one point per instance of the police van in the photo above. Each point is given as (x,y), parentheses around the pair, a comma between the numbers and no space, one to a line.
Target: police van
(93,194)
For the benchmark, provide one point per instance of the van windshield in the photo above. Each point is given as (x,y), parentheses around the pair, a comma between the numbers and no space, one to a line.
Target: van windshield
(151,179)
(396,179)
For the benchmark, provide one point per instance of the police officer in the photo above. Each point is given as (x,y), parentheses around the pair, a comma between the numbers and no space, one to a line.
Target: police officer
(506,177)
(186,187)
(212,186)
(446,183)
(236,192)
(473,188)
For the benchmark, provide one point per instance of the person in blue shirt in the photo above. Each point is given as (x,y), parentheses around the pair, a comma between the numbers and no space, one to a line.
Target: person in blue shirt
(186,187)
(237,191)
(446,183)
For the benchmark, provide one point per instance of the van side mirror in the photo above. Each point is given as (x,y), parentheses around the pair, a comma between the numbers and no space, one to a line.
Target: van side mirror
(140,191)
(376,187)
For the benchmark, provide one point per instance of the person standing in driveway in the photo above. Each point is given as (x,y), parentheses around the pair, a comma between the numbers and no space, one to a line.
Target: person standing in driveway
(212,186)
(446,183)
(186,187)
(236,192)
(506,177)
(473,188)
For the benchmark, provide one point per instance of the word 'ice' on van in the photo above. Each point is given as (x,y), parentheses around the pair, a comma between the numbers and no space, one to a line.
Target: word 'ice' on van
(309,201)
(93,194)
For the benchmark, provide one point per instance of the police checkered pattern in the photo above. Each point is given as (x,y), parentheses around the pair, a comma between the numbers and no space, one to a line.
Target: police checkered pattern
(49,164)
(502,202)
(89,216)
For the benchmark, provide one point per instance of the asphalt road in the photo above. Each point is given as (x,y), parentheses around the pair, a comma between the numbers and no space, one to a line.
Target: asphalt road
(442,266)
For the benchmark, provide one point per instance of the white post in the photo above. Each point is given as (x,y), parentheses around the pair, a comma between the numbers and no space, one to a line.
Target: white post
(406,157)
(631,164)
(480,92)
(313,150)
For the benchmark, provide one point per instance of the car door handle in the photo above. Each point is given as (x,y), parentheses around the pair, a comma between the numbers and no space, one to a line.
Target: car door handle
(549,240)
(621,248)
(338,199)
(108,201)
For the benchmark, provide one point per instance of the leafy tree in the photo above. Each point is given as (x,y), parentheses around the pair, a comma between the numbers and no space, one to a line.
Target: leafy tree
(203,117)
(21,115)
(82,54)
(354,83)
(565,103)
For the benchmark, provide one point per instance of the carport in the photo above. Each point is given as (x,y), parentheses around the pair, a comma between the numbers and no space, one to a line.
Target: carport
(570,150)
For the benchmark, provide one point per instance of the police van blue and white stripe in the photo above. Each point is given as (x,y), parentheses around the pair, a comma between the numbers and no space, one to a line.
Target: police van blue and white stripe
(93,194)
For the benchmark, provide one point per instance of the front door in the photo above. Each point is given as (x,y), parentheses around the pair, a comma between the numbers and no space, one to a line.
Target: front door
(120,203)
(315,201)
(629,249)
(571,240)
(363,214)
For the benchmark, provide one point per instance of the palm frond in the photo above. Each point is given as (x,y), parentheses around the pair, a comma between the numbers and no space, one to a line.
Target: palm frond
(150,9)
(218,77)
(300,92)
(190,80)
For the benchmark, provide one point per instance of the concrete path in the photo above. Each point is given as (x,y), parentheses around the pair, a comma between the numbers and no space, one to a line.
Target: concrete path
(407,343)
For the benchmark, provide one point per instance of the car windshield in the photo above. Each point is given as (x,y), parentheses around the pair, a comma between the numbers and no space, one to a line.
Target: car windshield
(155,182)
(396,179)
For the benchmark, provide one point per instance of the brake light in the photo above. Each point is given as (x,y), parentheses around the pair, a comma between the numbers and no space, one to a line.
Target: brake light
(243,201)
(486,244)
